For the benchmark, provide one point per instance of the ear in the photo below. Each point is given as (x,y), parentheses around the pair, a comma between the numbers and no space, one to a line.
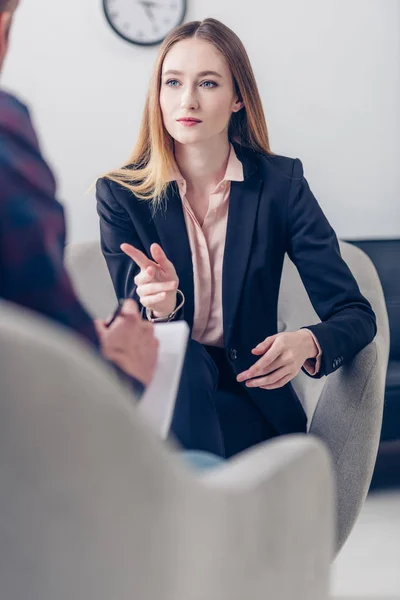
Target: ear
(5,24)
(237,105)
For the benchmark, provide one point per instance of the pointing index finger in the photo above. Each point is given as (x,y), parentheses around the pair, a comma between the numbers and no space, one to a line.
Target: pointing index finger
(137,256)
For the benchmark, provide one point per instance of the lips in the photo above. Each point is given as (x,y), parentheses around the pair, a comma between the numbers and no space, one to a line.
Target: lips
(188,120)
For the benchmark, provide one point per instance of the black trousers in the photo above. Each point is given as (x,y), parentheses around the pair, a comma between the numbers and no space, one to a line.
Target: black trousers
(213,412)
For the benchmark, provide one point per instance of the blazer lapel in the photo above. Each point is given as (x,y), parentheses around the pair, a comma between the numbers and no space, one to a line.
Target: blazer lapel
(243,205)
(171,229)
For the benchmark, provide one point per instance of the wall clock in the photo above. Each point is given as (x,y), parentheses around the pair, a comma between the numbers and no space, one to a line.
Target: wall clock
(144,22)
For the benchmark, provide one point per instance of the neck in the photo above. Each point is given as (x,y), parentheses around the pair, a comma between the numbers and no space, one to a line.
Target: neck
(203,165)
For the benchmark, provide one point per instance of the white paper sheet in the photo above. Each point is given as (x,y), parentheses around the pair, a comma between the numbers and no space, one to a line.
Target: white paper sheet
(158,401)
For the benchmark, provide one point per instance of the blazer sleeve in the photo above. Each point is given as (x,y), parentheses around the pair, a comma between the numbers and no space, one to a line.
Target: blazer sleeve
(116,228)
(348,321)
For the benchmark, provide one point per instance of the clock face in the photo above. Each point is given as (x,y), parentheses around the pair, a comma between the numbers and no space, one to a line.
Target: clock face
(144,22)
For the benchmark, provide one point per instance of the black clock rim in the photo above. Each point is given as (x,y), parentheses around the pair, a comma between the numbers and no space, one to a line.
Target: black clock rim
(137,43)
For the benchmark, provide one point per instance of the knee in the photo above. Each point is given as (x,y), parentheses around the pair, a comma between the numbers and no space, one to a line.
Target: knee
(199,370)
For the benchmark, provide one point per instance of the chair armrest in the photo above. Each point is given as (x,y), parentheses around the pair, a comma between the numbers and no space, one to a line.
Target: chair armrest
(256,466)
(279,510)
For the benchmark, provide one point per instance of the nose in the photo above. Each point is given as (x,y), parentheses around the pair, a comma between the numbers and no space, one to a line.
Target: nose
(188,99)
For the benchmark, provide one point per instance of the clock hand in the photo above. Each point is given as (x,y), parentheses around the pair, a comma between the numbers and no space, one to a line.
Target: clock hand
(149,12)
(147,8)
(150,3)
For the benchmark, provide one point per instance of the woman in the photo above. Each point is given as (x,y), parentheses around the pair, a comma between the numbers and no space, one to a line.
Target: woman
(196,226)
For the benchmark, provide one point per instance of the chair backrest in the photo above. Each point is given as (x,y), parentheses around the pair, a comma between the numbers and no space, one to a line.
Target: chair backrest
(92,282)
(94,505)
(82,476)
(385,254)
(344,409)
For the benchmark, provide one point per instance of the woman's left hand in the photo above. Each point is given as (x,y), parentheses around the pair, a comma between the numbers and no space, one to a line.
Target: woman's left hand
(283,355)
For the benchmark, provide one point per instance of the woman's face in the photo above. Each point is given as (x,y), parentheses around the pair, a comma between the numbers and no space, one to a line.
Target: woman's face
(196,83)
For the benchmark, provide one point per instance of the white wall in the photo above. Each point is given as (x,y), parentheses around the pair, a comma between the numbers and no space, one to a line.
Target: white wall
(328,72)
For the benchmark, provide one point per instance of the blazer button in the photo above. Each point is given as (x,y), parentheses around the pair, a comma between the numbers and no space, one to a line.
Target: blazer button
(334,364)
(233,354)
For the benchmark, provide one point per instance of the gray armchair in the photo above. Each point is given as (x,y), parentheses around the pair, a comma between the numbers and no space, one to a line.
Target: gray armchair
(344,410)
(94,506)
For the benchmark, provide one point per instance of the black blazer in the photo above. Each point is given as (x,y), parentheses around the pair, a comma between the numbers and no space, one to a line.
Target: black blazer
(271,212)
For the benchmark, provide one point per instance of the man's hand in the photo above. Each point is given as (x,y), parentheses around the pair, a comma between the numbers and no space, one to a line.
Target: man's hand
(130,343)
(283,355)
(157,281)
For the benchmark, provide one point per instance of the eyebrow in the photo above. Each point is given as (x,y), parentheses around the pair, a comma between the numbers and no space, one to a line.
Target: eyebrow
(201,74)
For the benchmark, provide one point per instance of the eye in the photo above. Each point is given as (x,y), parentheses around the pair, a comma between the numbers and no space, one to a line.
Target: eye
(171,82)
(209,84)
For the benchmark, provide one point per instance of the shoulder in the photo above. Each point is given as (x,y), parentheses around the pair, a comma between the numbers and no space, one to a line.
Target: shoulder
(109,191)
(118,195)
(11,104)
(106,196)
(273,167)
(280,167)
(103,186)
(114,197)
(14,118)
(19,147)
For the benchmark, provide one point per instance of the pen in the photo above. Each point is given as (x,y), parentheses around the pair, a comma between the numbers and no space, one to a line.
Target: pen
(119,308)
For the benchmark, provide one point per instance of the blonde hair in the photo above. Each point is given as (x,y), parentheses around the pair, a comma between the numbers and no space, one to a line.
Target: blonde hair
(147,170)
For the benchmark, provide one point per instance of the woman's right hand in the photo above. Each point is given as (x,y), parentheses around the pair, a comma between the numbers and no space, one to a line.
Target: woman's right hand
(157,280)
